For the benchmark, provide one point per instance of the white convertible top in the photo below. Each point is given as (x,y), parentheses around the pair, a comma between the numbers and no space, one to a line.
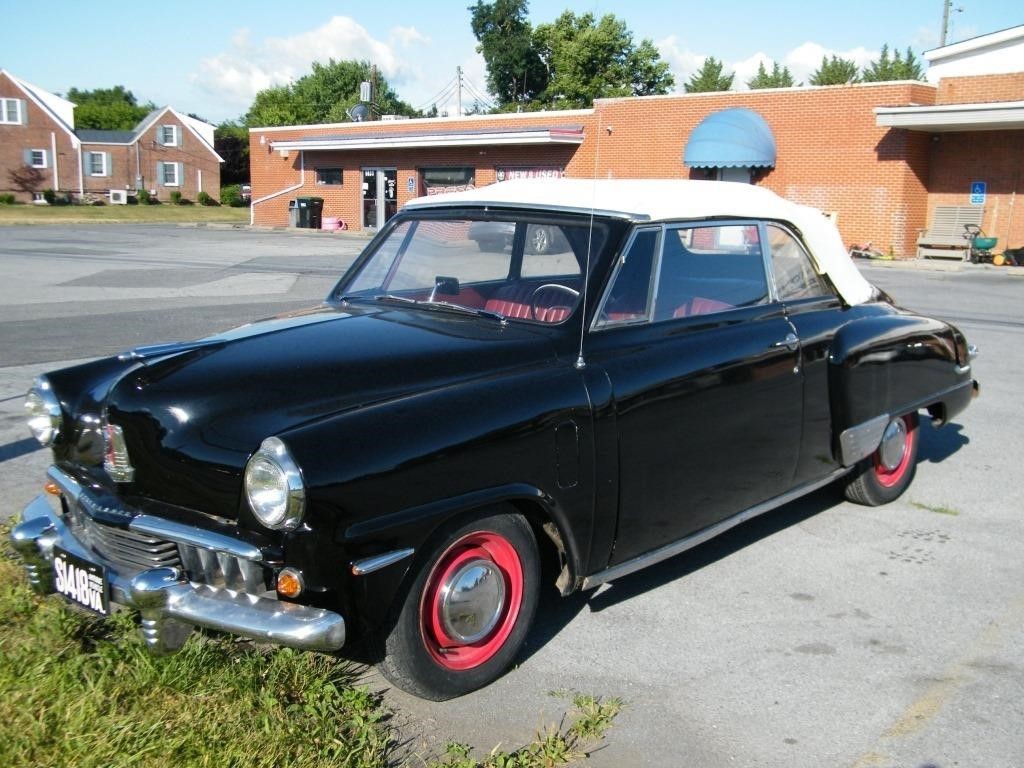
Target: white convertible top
(672,200)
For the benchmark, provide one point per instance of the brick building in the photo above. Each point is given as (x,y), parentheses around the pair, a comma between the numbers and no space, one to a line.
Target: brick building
(165,152)
(878,157)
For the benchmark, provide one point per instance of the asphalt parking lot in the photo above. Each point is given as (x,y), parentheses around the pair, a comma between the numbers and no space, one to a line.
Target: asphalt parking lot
(822,634)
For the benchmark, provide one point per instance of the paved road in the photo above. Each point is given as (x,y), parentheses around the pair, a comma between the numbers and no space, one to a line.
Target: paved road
(822,634)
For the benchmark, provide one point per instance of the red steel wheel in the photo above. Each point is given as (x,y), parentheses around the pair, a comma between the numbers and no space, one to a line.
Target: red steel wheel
(885,474)
(467,609)
(472,600)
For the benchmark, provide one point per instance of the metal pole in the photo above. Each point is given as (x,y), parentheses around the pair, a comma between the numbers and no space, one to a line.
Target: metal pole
(458,75)
(945,22)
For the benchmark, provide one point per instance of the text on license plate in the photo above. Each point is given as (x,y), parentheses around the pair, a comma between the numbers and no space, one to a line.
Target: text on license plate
(81,581)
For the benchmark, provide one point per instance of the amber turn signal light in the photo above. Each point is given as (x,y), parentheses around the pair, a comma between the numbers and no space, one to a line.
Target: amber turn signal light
(289,583)
(52,488)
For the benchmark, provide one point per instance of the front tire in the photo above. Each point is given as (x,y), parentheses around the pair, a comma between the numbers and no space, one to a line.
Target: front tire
(468,610)
(884,475)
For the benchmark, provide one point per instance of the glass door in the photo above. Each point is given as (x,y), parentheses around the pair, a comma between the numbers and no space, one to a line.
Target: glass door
(380,196)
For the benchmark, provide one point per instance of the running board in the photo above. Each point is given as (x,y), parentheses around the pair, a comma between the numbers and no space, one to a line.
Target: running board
(682,545)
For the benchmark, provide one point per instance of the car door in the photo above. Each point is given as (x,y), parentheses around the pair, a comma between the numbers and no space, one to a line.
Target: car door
(704,371)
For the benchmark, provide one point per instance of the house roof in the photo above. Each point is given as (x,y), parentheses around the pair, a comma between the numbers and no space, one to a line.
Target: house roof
(196,127)
(93,136)
(60,110)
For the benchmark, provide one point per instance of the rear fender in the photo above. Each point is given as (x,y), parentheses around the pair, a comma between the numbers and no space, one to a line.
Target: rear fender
(883,366)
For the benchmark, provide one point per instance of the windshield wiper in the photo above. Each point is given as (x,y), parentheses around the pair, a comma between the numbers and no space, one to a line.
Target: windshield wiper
(443,305)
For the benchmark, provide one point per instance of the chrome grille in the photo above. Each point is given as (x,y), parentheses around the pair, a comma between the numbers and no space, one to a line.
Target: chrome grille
(135,551)
(218,569)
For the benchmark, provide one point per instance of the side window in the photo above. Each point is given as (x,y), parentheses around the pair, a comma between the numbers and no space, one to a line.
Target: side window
(628,299)
(795,277)
(710,269)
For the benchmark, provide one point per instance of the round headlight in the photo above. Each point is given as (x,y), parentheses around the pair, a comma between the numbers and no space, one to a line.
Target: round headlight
(43,411)
(273,486)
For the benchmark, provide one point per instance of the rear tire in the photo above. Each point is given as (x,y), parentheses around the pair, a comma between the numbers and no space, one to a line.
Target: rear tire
(884,475)
(467,611)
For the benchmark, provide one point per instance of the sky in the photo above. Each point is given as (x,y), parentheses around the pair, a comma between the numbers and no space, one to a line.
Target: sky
(210,58)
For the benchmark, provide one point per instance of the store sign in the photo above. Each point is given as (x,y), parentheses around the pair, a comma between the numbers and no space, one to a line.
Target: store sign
(534,172)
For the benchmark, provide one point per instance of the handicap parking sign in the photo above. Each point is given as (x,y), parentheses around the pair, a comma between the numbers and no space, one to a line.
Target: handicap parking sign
(978,193)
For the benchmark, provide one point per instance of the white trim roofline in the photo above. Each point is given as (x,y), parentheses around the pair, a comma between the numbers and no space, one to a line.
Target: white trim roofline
(416,141)
(186,121)
(974,44)
(944,118)
(30,90)
(355,126)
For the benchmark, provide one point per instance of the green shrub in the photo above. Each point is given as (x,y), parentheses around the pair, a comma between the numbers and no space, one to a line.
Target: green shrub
(232,195)
(144,198)
(50,196)
(7,199)
(175,197)
(203,198)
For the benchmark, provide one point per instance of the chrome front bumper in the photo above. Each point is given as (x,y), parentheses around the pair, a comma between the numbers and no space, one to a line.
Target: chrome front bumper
(171,606)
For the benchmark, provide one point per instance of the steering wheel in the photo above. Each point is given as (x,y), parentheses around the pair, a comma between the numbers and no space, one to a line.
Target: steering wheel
(572,292)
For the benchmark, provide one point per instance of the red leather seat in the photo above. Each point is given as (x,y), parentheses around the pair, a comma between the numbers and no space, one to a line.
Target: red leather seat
(515,301)
(700,306)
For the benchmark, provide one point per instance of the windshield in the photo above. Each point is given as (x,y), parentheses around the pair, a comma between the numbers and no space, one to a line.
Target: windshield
(521,269)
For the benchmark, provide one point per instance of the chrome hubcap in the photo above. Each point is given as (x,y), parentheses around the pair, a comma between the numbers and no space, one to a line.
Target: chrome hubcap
(472,601)
(894,442)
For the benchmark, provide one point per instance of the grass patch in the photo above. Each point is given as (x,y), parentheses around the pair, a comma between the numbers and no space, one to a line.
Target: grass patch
(569,742)
(939,510)
(83,691)
(137,214)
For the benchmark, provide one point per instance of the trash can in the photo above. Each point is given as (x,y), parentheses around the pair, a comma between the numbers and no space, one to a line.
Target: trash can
(310,212)
(293,213)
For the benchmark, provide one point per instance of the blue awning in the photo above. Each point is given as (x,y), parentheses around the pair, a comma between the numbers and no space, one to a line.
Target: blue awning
(732,138)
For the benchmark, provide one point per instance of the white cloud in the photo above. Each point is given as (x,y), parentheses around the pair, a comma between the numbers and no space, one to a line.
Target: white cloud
(235,76)
(802,61)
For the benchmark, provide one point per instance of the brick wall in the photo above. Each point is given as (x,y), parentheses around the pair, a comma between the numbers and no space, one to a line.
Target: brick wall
(831,154)
(981,89)
(995,157)
(201,168)
(40,131)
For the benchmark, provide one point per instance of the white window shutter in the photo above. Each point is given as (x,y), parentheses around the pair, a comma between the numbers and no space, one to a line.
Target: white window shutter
(23,111)
(108,164)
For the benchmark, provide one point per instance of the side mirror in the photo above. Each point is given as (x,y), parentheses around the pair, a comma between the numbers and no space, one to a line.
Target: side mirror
(444,286)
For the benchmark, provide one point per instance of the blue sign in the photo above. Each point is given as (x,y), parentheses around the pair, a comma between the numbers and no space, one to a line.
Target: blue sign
(410,184)
(978,192)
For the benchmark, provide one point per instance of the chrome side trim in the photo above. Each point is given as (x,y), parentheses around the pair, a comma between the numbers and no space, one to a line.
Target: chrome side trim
(196,537)
(67,484)
(861,440)
(375,563)
(682,545)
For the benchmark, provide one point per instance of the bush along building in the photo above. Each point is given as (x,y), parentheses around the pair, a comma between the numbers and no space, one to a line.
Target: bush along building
(43,157)
(880,158)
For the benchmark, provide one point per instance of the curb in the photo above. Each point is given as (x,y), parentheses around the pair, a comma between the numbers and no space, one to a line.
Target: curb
(931,265)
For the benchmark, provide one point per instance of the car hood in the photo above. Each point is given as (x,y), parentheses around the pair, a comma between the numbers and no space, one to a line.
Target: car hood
(192,414)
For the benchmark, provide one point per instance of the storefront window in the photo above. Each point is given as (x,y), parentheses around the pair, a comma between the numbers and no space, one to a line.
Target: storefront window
(328,176)
(439,180)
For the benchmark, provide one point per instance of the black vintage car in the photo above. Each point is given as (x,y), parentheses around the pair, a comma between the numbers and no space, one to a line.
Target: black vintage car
(396,465)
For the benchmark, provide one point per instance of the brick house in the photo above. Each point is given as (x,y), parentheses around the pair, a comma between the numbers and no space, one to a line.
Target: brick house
(832,147)
(167,151)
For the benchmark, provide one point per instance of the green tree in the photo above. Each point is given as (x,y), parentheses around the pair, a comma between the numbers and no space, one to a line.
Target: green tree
(893,68)
(515,72)
(111,109)
(835,71)
(324,96)
(231,140)
(780,77)
(590,59)
(710,78)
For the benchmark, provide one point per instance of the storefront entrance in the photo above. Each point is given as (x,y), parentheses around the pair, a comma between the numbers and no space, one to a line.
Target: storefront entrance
(380,196)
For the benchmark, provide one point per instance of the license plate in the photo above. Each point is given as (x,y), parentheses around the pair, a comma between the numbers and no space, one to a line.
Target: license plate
(81,582)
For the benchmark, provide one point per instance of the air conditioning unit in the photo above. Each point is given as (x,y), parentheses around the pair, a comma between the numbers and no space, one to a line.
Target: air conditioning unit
(119,197)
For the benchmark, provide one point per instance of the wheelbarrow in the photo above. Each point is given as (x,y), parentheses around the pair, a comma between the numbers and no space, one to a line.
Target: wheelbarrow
(981,245)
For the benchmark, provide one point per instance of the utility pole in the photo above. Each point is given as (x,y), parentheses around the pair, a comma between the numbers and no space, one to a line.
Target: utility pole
(458,76)
(947,6)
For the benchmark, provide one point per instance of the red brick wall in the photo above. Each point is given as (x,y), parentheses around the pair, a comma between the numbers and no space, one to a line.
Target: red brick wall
(193,153)
(981,89)
(994,157)
(39,132)
(831,154)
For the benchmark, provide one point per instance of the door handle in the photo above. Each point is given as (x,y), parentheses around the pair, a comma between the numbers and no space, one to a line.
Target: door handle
(791,342)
